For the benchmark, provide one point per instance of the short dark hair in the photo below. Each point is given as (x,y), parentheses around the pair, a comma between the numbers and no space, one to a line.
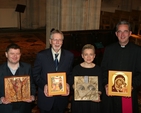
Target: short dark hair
(12,46)
(123,22)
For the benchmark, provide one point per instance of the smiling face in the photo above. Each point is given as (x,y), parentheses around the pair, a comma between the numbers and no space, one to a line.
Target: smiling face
(88,55)
(56,41)
(13,55)
(123,33)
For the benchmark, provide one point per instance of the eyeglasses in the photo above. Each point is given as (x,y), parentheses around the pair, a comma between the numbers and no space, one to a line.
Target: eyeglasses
(123,32)
(57,40)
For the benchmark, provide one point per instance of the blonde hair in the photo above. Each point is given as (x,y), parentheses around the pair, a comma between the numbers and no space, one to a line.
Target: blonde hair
(88,46)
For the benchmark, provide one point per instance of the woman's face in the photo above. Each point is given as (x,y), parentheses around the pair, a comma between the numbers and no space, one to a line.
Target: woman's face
(88,55)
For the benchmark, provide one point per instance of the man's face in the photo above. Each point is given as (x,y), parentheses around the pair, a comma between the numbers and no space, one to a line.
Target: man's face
(56,41)
(123,34)
(13,56)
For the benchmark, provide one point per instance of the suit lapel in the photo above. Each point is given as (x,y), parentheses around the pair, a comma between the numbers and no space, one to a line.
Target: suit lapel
(6,70)
(50,59)
(20,70)
(61,59)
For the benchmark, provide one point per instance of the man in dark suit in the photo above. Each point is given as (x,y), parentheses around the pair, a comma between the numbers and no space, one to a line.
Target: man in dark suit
(15,68)
(45,64)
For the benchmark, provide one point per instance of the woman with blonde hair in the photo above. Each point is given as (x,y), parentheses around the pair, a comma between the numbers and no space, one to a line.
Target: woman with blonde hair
(87,68)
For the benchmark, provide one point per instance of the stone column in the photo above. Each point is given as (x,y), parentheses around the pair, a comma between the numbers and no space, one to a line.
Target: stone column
(80,14)
(68,15)
(53,16)
(29,14)
(31,19)
(35,17)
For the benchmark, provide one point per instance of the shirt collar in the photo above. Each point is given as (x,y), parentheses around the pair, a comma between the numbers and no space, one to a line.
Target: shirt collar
(53,54)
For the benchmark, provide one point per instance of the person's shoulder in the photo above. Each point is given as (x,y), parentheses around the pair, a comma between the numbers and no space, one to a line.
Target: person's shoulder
(77,66)
(134,45)
(44,51)
(3,65)
(112,45)
(67,52)
(25,64)
(97,66)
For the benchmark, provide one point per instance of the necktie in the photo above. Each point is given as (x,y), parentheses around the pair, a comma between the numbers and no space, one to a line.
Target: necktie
(56,61)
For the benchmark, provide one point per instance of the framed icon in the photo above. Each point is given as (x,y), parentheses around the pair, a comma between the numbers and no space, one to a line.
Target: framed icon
(119,83)
(86,88)
(17,88)
(56,83)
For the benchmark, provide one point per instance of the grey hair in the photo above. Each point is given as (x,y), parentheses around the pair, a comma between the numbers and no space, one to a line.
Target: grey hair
(56,31)
(123,22)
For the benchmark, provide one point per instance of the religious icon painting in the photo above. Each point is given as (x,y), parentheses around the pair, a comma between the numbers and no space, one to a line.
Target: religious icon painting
(17,88)
(86,88)
(56,83)
(119,83)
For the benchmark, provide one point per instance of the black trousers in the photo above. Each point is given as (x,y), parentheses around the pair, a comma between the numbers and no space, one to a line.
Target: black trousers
(54,109)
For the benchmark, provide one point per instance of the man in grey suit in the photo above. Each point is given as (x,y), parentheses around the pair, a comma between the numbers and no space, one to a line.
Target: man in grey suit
(44,64)
(13,67)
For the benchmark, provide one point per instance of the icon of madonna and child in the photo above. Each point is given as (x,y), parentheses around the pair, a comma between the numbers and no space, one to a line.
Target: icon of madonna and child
(120,83)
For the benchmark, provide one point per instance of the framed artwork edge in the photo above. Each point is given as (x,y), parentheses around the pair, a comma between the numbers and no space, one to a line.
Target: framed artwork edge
(15,77)
(50,76)
(113,80)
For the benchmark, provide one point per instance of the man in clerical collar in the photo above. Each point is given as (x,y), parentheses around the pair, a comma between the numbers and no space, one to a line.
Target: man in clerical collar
(118,59)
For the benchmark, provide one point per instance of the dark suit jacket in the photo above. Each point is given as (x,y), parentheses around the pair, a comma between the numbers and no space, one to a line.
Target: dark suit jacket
(44,64)
(21,107)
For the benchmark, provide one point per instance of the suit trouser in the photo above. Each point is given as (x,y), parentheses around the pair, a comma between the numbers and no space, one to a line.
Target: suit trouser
(54,109)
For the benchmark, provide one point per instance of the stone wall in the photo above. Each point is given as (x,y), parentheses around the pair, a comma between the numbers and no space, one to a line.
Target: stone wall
(33,16)
(69,15)
(126,5)
(72,11)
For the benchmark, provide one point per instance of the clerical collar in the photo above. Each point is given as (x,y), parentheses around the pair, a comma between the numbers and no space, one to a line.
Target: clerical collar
(122,46)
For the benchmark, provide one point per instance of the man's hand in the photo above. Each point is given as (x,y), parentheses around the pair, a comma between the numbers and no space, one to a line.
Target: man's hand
(46,91)
(106,89)
(99,93)
(68,90)
(32,98)
(4,100)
